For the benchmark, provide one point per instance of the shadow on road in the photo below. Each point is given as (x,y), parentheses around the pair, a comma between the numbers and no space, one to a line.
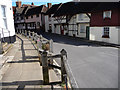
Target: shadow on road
(21,84)
(67,40)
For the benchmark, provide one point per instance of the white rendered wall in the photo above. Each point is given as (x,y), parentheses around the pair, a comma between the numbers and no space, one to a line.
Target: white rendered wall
(81,34)
(119,35)
(10,21)
(97,32)
(46,23)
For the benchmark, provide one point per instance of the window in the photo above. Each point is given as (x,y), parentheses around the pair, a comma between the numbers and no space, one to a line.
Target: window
(80,17)
(26,17)
(21,18)
(106,32)
(82,28)
(31,16)
(4,18)
(107,14)
(38,23)
(37,15)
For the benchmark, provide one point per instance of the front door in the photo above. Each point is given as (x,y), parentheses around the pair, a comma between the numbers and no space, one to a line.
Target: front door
(87,32)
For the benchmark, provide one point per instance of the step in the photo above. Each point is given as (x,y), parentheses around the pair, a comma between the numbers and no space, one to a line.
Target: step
(6,48)
(4,44)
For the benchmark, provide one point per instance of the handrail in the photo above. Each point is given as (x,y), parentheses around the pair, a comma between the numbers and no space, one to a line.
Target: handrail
(66,73)
(3,33)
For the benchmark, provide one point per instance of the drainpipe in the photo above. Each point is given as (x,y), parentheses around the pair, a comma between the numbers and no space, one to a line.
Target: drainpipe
(1,47)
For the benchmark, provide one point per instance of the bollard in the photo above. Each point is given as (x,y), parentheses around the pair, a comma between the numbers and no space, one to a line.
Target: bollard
(22,32)
(51,46)
(63,72)
(33,35)
(27,34)
(16,31)
(39,44)
(45,68)
(1,47)
(40,36)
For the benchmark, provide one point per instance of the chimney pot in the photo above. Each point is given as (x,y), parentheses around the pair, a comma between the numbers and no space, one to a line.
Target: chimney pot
(18,4)
(49,5)
(32,3)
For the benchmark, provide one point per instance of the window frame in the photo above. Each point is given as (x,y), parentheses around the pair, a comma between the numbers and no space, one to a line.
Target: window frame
(106,32)
(82,30)
(37,15)
(31,16)
(4,17)
(105,16)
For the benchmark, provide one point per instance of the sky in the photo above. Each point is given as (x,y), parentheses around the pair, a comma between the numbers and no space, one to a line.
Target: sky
(40,2)
(44,2)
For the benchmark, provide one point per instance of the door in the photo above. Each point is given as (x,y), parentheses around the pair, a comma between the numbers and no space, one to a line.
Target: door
(87,32)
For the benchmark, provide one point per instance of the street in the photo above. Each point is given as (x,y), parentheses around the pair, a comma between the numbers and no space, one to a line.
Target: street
(93,66)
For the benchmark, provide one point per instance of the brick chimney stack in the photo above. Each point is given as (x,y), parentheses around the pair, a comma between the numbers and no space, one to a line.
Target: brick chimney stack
(18,4)
(49,5)
(32,3)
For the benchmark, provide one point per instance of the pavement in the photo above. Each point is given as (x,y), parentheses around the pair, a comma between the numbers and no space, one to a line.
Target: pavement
(92,65)
(21,68)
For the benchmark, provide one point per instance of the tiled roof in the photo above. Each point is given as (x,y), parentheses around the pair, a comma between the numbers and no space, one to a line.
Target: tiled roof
(35,10)
(71,8)
(74,8)
(53,9)
(107,6)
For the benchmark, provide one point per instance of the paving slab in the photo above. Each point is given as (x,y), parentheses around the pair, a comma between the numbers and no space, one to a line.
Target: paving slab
(22,68)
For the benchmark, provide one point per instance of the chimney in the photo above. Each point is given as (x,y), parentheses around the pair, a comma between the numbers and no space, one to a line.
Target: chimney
(32,3)
(18,4)
(49,5)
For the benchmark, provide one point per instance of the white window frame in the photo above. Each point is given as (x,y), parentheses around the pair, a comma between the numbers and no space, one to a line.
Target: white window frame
(105,14)
(82,30)
(4,18)
(106,31)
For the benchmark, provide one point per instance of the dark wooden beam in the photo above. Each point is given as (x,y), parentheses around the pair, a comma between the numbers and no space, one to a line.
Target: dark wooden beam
(88,15)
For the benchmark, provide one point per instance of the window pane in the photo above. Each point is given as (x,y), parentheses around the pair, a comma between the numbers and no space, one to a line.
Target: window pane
(3,11)
(106,31)
(80,16)
(82,28)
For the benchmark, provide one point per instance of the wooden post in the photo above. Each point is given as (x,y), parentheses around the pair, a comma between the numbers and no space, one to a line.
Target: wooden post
(51,45)
(63,71)
(39,46)
(45,68)
(29,34)
(1,47)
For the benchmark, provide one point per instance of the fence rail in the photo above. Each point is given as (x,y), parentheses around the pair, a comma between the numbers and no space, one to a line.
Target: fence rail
(45,52)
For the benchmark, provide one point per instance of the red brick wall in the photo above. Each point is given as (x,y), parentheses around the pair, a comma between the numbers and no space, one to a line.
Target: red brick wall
(97,19)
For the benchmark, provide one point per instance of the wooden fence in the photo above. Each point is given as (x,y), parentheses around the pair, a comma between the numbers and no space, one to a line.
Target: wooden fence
(45,53)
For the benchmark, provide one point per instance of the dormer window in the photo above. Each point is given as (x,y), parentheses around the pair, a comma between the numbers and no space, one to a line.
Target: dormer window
(107,14)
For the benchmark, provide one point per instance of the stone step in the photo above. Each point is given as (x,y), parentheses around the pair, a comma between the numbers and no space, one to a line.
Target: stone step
(4,44)
(6,48)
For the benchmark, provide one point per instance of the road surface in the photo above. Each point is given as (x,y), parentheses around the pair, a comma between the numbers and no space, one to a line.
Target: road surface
(93,66)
